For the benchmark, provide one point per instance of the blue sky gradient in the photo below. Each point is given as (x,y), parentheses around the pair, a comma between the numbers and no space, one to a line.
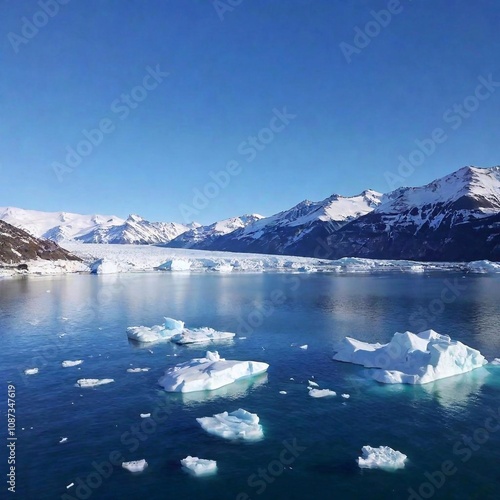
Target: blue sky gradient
(226,81)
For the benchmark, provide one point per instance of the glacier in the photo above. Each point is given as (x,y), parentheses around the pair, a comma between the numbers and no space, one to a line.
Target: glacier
(208,373)
(239,424)
(411,358)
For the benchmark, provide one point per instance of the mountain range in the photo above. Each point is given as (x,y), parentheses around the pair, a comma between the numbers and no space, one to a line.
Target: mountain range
(456,217)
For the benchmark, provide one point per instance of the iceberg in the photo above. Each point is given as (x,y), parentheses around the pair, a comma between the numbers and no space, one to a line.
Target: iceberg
(137,370)
(412,358)
(93,382)
(31,371)
(199,466)
(157,332)
(67,364)
(496,361)
(321,393)
(135,465)
(208,373)
(239,424)
(382,457)
(201,336)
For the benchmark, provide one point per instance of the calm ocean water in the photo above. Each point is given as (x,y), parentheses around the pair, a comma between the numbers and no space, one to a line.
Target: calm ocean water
(44,321)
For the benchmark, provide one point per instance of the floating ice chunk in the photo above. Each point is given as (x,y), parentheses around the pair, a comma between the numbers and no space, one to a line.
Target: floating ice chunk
(208,373)
(31,371)
(242,338)
(199,466)
(137,370)
(176,265)
(282,392)
(483,266)
(201,336)
(67,364)
(346,396)
(145,415)
(104,266)
(321,393)
(135,465)
(412,359)
(382,457)
(155,333)
(305,346)
(313,384)
(70,485)
(239,424)
(496,361)
(93,382)
(63,440)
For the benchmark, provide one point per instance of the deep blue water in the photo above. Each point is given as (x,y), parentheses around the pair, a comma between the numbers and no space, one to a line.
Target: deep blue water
(44,321)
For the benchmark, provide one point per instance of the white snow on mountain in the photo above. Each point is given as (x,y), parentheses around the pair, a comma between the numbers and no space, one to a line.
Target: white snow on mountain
(65,226)
(468,193)
(222,227)
(336,208)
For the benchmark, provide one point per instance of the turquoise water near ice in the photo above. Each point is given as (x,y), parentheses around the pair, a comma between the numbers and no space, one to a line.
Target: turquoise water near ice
(44,321)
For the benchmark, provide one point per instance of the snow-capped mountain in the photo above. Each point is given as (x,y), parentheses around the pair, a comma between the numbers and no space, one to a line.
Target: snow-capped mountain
(17,245)
(64,226)
(283,233)
(204,236)
(456,217)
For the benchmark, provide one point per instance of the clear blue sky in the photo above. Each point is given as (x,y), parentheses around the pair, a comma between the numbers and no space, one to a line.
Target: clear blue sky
(353,119)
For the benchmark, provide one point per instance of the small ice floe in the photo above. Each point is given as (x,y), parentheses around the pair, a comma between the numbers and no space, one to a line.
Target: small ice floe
(208,373)
(239,424)
(321,393)
(31,371)
(63,440)
(282,392)
(496,361)
(63,318)
(70,485)
(201,336)
(382,457)
(199,466)
(305,346)
(93,382)
(412,358)
(155,333)
(135,465)
(291,378)
(242,338)
(137,370)
(346,396)
(69,363)
(312,384)
(145,415)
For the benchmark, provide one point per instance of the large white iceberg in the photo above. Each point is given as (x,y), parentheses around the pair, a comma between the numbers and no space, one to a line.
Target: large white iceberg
(69,363)
(199,466)
(321,393)
(201,336)
(155,333)
(382,457)
(135,465)
(412,358)
(239,424)
(208,373)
